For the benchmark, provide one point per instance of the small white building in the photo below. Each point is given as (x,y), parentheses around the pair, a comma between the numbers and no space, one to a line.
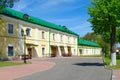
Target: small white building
(86,48)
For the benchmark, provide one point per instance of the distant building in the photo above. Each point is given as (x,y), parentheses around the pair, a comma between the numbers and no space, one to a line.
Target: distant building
(86,47)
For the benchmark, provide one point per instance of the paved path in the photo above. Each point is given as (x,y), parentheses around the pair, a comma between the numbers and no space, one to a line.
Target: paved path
(10,73)
(73,69)
(116,74)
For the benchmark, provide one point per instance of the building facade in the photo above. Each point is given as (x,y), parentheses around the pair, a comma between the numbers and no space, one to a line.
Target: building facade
(40,38)
(87,48)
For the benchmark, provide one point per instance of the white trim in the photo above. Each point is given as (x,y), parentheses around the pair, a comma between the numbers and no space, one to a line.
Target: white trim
(11,45)
(53,36)
(43,37)
(20,40)
(36,34)
(30,31)
(44,50)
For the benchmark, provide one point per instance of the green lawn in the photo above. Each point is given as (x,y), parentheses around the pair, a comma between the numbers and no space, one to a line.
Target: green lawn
(5,63)
(107,61)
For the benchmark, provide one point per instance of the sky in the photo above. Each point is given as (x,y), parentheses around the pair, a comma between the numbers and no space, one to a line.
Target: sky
(70,13)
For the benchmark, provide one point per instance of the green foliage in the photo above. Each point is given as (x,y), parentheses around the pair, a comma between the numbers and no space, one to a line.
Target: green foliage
(104,43)
(105,18)
(4,63)
(118,35)
(7,3)
(107,61)
(104,14)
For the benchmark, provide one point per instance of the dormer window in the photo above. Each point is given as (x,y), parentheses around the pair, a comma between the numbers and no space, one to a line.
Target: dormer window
(26,16)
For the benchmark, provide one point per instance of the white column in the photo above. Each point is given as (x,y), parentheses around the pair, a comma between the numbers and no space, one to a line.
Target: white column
(20,41)
(65,48)
(36,36)
(37,51)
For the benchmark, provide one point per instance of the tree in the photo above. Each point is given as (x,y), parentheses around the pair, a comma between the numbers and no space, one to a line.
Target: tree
(100,39)
(118,35)
(105,17)
(90,36)
(7,3)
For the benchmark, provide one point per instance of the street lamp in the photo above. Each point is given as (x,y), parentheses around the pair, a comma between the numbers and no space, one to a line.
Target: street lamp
(24,35)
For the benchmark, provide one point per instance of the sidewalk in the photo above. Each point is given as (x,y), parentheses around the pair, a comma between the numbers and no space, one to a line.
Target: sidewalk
(116,73)
(10,73)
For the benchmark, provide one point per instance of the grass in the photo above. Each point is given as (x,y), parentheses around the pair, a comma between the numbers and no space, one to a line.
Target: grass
(5,63)
(107,61)
(90,56)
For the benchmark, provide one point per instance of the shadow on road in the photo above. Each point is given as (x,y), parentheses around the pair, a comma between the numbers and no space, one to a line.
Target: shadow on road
(89,64)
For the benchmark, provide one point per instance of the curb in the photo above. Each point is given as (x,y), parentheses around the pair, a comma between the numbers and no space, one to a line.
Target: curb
(112,76)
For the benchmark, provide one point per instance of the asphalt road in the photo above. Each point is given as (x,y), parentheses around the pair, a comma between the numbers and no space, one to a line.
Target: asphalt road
(73,69)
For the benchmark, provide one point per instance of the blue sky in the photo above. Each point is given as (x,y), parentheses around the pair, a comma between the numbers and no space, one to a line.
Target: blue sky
(70,13)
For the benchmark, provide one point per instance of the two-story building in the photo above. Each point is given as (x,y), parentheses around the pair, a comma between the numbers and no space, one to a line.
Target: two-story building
(40,38)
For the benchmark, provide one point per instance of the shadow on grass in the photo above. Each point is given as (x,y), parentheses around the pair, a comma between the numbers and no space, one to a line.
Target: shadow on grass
(89,64)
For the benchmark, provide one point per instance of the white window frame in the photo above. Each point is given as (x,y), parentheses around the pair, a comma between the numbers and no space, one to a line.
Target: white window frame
(30,31)
(68,39)
(74,40)
(61,37)
(42,50)
(43,35)
(53,36)
(8,27)
(10,45)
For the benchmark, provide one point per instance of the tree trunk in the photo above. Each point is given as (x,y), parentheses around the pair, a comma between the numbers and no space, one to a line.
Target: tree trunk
(113,46)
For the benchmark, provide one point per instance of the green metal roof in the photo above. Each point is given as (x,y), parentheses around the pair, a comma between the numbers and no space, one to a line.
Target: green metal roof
(19,15)
(87,43)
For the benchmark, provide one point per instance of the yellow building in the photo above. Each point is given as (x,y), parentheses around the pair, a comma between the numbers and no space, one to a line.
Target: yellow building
(41,38)
(87,48)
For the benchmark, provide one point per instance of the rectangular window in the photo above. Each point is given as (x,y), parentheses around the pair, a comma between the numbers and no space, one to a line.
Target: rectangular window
(74,40)
(53,36)
(43,34)
(10,50)
(43,50)
(28,31)
(10,28)
(68,39)
(74,51)
(61,38)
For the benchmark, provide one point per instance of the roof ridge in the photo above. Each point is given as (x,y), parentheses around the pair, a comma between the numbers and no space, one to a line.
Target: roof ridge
(19,15)
(87,42)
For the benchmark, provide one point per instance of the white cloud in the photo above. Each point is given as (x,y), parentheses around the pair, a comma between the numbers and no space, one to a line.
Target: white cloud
(22,4)
(51,3)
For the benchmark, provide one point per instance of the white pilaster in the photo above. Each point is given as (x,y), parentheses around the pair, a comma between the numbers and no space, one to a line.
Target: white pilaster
(20,40)
(59,50)
(36,34)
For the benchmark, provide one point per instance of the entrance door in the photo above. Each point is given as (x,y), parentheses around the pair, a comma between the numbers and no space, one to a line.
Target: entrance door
(54,51)
(80,51)
(32,52)
(69,50)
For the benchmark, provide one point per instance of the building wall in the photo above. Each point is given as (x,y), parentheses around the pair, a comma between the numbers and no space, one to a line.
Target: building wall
(88,50)
(35,44)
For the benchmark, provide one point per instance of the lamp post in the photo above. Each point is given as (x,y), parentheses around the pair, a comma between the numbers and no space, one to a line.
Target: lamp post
(24,35)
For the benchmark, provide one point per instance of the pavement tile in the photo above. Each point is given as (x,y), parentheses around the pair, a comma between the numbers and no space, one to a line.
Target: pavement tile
(116,73)
(12,72)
